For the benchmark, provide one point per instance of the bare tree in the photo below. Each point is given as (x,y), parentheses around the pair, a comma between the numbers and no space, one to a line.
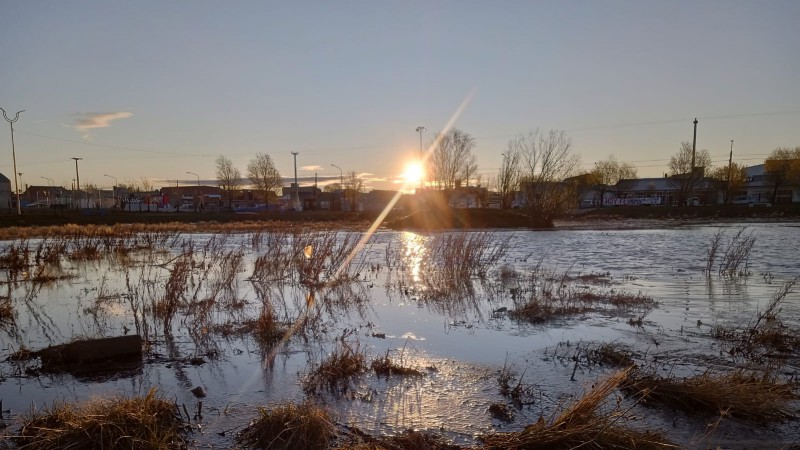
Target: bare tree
(353,187)
(547,163)
(332,187)
(264,175)
(453,160)
(683,176)
(730,180)
(508,178)
(228,177)
(146,184)
(782,167)
(607,175)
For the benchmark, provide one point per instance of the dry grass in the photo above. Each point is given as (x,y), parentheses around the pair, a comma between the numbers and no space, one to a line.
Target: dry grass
(545,295)
(612,355)
(581,425)
(6,311)
(290,426)
(267,328)
(733,261)
(148,422)
(386,366)
(407,440)
(520,393)
(757,399)
(335,373)
(764,335)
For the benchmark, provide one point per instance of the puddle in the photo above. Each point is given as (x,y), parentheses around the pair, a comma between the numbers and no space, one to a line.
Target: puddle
(395,300)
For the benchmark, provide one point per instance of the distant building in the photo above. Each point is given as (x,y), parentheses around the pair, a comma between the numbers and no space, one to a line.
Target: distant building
(5,194)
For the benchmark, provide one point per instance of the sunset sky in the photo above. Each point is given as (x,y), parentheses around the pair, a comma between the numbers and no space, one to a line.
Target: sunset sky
(158,88)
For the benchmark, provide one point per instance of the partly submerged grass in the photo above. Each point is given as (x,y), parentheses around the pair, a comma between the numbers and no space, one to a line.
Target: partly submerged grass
(582,425)
(386,366)
(6,311)
(148,422)
(336,372)
(407,440)
(290,426)
(758,399)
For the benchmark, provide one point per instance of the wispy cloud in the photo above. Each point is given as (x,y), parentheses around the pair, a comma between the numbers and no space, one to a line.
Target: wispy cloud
(311,168)
(88,121)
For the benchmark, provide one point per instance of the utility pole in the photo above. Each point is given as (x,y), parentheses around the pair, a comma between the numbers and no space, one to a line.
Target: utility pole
(691,172)
(730,174)
(296,187)
(420,130)
(77,179)
(14,153)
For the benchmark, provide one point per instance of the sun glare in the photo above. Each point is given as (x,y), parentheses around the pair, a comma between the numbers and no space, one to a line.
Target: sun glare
(413,172)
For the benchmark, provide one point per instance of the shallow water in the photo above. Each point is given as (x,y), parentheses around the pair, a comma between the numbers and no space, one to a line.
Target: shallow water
(389,309)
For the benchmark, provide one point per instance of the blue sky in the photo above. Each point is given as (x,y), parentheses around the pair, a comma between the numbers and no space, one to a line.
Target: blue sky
(155,89)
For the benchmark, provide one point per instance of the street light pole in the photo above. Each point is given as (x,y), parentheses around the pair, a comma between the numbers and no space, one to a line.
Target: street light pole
(420,130)
(341,186)
(198,177)
(50,180)
(341,176)
(296,187)
(110,176)
(14,153)
(77,178)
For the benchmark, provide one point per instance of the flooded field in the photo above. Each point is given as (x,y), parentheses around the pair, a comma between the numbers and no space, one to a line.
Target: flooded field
(487,331)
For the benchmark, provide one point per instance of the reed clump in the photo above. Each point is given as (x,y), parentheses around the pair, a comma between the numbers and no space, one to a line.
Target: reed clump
(335,373)
(290,426)
(148,422)
(583,424)
(730,254)
(748,397)
(765,334)
(513,388)
(387,366)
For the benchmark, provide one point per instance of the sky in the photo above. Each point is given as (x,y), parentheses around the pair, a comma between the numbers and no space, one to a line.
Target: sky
(154,89)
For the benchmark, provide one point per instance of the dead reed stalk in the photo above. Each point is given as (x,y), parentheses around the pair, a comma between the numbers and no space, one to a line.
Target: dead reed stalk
(581,425)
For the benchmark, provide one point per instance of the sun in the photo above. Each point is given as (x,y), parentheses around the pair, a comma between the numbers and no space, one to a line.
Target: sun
(413,172)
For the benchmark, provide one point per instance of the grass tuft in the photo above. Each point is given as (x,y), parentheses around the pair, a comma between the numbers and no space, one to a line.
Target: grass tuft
(386,366)
(336,372)
(290,426)
(148,422)
(750,398)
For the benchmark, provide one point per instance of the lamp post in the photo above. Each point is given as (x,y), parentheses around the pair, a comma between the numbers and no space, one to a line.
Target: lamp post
(50,180)
(110,176)
(341,186)
(421,130)
(198,177)
(20,179)
(114,188)
(14,153)
(77,179)
(296,187)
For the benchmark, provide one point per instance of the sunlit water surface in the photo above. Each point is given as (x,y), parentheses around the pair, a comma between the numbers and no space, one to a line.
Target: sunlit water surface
(459,344)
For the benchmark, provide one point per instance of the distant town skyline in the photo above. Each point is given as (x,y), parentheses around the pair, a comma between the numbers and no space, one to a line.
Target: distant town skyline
(156,90)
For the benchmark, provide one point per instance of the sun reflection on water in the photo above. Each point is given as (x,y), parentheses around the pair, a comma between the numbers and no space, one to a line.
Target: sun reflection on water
(414,250)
